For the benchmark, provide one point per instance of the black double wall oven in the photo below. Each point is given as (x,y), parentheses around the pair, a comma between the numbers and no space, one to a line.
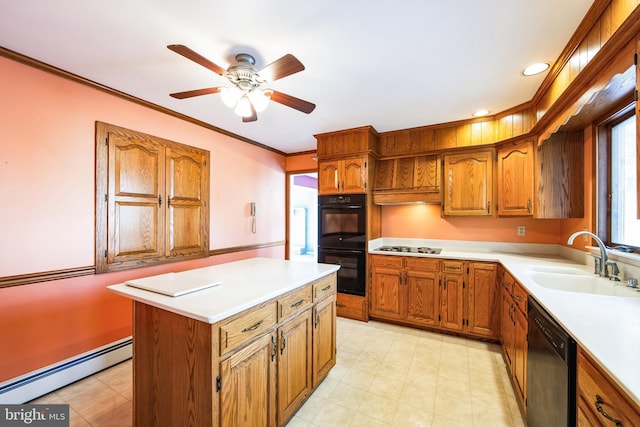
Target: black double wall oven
(342,239)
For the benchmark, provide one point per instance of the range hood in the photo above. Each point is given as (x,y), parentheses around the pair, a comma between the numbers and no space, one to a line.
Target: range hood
(409,197)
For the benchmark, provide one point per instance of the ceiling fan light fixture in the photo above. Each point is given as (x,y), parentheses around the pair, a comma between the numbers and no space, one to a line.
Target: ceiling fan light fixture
(243,107)
(260,99)
(230,96)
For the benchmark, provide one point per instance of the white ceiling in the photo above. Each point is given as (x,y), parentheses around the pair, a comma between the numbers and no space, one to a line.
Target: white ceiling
(392,64)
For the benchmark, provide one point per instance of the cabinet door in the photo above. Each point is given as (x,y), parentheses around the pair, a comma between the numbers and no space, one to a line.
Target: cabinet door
(520,354)
(294,365)
(451,301)
(324,338)
(422,297)
(387,292)
(507,328)
(483,300)
(328,177)
(187,224)
(468,186)
(354,175)
(248,387)
(136,217)
(515,180)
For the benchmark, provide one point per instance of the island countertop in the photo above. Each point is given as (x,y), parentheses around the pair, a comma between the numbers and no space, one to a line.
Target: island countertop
(243,284)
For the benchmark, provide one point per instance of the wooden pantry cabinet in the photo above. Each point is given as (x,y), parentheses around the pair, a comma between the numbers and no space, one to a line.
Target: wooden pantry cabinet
(432,292)
(600,401)
(514,327)
(254,368)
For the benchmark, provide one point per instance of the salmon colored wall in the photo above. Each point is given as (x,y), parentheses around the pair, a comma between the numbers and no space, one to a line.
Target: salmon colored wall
(47,185)
(301,162)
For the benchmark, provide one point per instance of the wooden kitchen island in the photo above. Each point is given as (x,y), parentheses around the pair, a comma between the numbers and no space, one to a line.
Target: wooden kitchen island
(246,352)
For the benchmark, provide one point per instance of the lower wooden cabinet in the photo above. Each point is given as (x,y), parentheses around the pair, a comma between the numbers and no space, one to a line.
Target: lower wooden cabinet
(600,402)
(514,328)
(352,307)
(453,295)
(324,339)
(248,385)
(294,364)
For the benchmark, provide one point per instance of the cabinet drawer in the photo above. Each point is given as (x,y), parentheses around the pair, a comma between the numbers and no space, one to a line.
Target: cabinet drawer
(387,261)
(520,297)
(450,266)
(351,306)
(240,328)
(294,302)
(424,264)
(324,287)
(593,383)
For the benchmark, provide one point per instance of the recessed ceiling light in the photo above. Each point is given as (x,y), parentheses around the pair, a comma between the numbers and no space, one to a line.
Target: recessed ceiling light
(481,113)
(534,69)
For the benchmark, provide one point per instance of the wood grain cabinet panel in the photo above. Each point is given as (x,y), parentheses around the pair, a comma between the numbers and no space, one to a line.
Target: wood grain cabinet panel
(515,179)
(482,300)
(468,184)
(342,176)
(324,339)
(407,180)
(596,389)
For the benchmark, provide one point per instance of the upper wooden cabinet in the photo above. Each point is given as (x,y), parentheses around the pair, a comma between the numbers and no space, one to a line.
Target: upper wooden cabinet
(515,179)
(560,176)
(407,180)
(345,142)
(151,199)
(468,183)
(348,175)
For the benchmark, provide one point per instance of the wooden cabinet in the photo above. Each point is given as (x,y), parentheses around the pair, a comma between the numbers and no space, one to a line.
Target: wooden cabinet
(407,180)
(343,176)
(352,307)
(431,292)
(515,179)
(324,338)
(152,200)
(483,298)
(560,176)
(514,327)
(468,184)
(294,364)
(255,368)
(452,295)
(598,394)
(249,372)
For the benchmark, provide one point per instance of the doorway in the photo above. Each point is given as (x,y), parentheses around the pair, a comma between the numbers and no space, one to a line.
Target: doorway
(303,217)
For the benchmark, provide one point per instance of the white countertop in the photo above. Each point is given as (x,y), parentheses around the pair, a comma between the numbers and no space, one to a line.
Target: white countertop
(244,284)
(607,327)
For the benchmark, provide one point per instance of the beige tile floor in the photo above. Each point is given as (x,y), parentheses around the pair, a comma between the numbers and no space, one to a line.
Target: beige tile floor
(385,375)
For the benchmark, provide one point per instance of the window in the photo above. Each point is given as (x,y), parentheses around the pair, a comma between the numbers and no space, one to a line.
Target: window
(151,200)
(618,221)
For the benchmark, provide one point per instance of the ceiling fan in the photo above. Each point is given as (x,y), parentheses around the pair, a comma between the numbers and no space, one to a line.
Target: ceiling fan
(247,93)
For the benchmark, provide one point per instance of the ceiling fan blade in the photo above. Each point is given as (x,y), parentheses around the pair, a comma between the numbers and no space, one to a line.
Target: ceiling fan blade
(293,102)
(197,58)
(197,92)
(282,67)
(253,117)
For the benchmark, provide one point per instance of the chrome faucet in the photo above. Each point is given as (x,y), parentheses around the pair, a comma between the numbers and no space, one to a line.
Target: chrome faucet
(603,261)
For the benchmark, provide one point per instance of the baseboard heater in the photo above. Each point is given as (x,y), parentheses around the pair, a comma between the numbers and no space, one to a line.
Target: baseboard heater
(38,383)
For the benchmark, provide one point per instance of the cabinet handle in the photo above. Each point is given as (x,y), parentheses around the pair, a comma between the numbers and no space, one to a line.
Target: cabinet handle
(326,288)
(297,304)
(284,342)
(317,319)
(159,200)
(275,347)
(252,328)
(529,205)
(599,402)
(517,298)
(489,207)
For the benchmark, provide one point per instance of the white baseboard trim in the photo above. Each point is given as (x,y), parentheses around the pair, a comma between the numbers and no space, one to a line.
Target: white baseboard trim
(42,381)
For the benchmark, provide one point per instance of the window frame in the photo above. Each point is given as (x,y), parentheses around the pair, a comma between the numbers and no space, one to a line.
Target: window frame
(603,184)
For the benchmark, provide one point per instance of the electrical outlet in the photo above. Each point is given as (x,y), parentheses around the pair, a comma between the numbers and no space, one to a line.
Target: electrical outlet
(521,230)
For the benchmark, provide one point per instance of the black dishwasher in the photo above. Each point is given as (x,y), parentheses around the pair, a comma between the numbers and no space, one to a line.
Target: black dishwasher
(551,371)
